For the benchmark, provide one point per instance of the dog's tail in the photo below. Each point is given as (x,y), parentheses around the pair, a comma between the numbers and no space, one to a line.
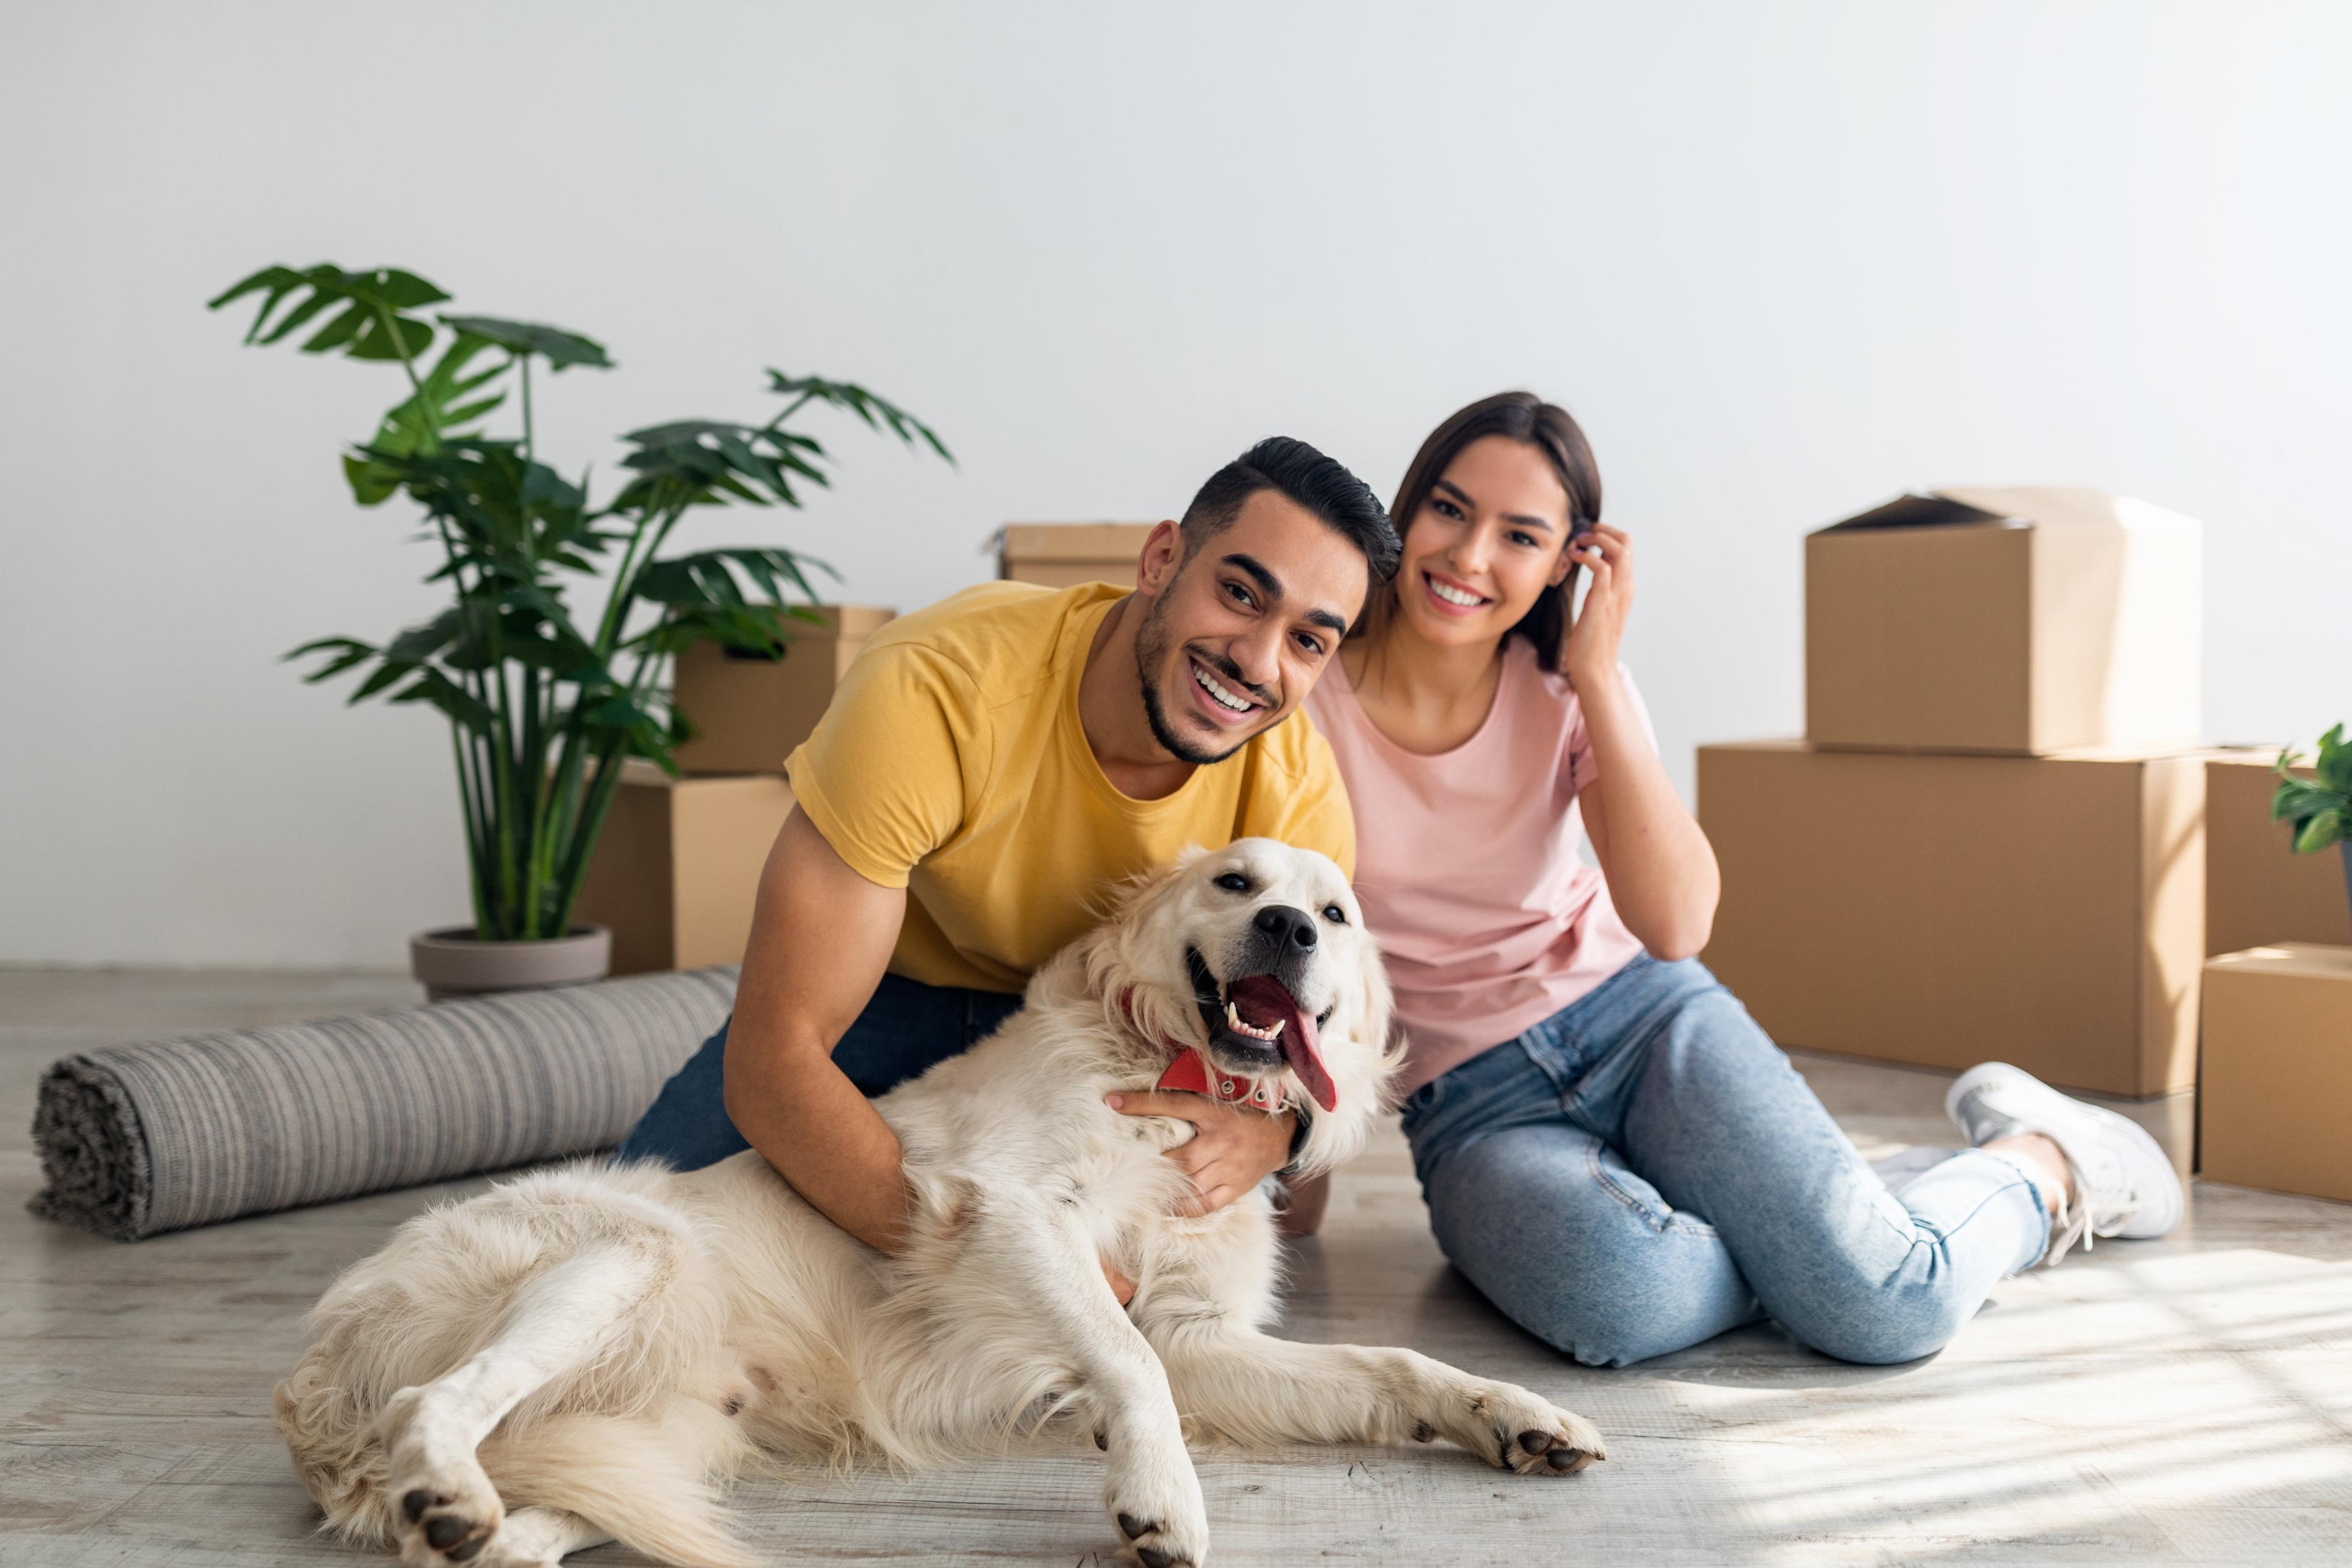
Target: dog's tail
(646,1481)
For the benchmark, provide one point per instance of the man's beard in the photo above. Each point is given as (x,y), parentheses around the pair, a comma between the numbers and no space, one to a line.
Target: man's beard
(1151,651)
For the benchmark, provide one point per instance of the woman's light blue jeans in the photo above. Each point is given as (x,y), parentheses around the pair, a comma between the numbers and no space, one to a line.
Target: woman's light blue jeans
(1644,1169)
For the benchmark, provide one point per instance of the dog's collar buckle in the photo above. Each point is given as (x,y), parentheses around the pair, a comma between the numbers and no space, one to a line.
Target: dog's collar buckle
(1191,1073)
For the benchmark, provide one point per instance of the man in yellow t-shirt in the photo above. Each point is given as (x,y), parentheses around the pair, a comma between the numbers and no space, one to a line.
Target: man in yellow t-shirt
(987,767)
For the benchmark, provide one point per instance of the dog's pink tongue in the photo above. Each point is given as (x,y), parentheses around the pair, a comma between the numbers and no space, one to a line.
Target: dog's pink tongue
(1262,999)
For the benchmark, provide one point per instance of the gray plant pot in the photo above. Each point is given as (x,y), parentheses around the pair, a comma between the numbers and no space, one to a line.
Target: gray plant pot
(455,963)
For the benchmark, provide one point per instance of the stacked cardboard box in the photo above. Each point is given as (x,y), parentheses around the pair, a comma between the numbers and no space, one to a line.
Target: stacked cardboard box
(2014,622)
(749,712)
(2275,1079)
(1063,555)
(1990,844)
(2278,1069)
(2257,889)
(1944,910)
(676,869)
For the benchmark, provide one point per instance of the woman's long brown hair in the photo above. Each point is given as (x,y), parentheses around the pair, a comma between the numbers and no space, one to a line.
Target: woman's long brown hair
(1530,420)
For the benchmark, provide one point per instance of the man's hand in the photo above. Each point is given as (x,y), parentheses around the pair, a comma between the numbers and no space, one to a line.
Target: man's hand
(1232,1149)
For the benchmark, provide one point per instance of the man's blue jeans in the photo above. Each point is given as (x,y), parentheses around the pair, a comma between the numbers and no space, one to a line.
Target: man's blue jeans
(905,1030)
(1644,1169)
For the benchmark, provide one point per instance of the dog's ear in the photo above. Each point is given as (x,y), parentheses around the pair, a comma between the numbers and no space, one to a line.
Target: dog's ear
(1116,960)
(1375,1008)
(1379,1005)
(1364,1059)
(1121,900)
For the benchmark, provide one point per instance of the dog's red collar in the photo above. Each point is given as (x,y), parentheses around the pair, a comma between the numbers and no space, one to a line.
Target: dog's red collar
(1193,1073)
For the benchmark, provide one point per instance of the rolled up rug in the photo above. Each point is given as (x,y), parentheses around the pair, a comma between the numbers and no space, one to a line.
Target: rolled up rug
(142,1139)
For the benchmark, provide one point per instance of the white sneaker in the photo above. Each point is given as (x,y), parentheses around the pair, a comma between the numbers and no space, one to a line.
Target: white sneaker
(2124,1185)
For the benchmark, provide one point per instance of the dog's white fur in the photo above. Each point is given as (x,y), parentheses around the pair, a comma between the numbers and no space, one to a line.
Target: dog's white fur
(589,1352)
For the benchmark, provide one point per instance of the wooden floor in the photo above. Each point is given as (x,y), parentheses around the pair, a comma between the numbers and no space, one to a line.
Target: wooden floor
(2181,1401)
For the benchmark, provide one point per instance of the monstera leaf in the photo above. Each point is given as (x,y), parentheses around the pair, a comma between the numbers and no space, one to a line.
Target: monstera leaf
(704,600)
(698,462)
(371,324)
(879,413)
(448,397)
(560,349)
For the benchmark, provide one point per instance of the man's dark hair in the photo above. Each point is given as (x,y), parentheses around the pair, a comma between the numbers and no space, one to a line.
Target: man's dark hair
(1344,503)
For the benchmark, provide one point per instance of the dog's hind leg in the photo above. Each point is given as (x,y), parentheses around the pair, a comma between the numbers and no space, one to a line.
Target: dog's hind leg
(1272,1393)
(539,1538)
(559,1321)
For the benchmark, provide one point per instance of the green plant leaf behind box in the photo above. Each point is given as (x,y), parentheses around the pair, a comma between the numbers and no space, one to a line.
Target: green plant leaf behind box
(2320,807)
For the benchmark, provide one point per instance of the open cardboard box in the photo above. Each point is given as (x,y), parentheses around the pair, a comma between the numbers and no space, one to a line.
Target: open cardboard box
(1064,554)
(2021,621)
(1942,911)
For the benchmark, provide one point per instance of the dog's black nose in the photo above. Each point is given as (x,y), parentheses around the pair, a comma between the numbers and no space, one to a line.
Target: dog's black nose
(1288,927)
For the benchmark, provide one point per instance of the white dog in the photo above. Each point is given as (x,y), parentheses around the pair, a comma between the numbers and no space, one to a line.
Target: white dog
(585,1354)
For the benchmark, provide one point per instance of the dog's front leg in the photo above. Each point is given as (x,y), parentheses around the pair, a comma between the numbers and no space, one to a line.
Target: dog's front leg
(1271,1392)
(1047,1262)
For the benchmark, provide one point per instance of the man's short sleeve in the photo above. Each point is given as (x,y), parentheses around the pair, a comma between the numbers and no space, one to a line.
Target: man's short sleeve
(1314,813)
(884,776)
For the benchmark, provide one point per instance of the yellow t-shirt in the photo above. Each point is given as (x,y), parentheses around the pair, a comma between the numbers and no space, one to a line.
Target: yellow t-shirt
(952,763)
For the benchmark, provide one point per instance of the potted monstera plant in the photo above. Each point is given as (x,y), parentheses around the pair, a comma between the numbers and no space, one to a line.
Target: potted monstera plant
(545,704)
(2319,806)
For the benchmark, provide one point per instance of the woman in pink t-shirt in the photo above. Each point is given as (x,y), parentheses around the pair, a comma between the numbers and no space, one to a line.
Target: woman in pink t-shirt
(1611,1149)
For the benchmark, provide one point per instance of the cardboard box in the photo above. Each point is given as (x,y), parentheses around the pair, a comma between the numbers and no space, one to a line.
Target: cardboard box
(2277,1096)
(1942,911)
(676,869)
(1063,555)
(751,711)
(2018,621)
(2258,890)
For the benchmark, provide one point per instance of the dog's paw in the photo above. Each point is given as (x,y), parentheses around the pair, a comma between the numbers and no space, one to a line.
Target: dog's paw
(1156,1543)
(1514,1429)
(1160,1513)
(445,1509)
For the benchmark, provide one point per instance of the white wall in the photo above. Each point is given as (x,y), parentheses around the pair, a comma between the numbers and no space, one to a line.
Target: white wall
(1783,260)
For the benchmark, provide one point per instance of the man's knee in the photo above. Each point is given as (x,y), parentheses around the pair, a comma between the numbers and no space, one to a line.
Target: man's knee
(686,1126)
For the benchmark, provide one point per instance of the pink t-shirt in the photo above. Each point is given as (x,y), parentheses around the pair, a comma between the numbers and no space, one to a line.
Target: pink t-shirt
(1467,864)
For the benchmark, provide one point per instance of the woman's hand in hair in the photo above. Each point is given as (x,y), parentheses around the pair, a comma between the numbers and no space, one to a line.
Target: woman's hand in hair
(1588,652)
(1660,869)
